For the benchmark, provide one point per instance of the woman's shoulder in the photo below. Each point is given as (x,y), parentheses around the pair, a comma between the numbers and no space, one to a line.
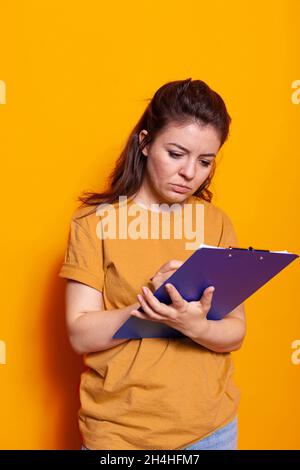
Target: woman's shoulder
(86,219)
(210,208)
(89,217)
(219,222)
(84,212)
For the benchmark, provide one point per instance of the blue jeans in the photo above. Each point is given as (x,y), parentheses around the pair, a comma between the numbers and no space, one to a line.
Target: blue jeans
(224,438)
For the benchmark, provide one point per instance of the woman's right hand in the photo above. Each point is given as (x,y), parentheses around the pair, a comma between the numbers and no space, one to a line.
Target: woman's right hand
(165,271)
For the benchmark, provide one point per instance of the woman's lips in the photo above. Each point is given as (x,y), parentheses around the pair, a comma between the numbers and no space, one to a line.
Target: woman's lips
(179,189)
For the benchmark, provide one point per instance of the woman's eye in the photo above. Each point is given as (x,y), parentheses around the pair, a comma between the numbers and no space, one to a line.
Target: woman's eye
(174,155)
(177,155)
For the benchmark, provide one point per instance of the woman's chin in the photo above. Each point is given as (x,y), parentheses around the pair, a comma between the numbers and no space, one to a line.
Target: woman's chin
(173,196)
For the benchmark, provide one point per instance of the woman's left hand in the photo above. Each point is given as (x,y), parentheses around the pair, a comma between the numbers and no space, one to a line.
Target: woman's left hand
(180,314)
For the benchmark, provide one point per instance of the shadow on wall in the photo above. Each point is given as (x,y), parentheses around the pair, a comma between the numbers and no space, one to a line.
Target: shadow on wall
(63,366)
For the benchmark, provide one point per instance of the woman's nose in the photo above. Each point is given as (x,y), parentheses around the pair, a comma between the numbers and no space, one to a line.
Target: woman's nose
(188,170)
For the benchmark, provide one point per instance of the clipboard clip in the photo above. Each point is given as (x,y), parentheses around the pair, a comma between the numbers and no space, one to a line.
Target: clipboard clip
(250,248)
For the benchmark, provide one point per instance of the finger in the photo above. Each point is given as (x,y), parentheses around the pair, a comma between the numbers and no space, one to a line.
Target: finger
(143,316)
(156,274)
(177,301)
(138,314)
(170,265)
(153,302)
(147,309)
(207,297)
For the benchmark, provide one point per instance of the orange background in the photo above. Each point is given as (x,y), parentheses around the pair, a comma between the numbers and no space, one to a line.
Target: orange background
(77,78)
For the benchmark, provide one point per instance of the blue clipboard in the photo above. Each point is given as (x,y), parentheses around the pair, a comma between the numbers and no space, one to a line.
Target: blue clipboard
(236,273)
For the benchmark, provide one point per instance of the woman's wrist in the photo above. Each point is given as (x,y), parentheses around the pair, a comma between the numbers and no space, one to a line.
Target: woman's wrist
(200,330)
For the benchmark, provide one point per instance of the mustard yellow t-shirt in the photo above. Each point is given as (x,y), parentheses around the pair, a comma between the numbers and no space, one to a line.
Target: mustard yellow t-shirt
(148,393)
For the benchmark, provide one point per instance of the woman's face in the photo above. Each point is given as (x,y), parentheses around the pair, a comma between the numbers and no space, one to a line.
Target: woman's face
(180,155)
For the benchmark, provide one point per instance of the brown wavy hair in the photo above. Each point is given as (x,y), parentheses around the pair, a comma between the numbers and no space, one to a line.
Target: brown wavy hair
(180,101)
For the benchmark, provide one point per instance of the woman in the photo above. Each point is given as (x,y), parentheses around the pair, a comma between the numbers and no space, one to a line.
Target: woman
(154,393)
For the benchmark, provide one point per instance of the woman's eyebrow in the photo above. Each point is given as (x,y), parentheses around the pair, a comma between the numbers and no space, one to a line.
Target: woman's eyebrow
(186,150)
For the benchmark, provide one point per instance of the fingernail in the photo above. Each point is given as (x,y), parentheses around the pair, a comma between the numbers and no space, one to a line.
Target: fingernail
(145,290)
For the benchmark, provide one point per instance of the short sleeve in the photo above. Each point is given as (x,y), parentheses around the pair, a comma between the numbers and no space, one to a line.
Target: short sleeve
(228,234)
(83,260)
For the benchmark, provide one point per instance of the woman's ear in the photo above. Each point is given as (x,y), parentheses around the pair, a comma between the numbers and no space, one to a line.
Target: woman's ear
(142,135)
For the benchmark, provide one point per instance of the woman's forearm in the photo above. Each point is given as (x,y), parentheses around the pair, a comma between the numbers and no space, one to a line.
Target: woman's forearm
(224,335)
(93,331)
